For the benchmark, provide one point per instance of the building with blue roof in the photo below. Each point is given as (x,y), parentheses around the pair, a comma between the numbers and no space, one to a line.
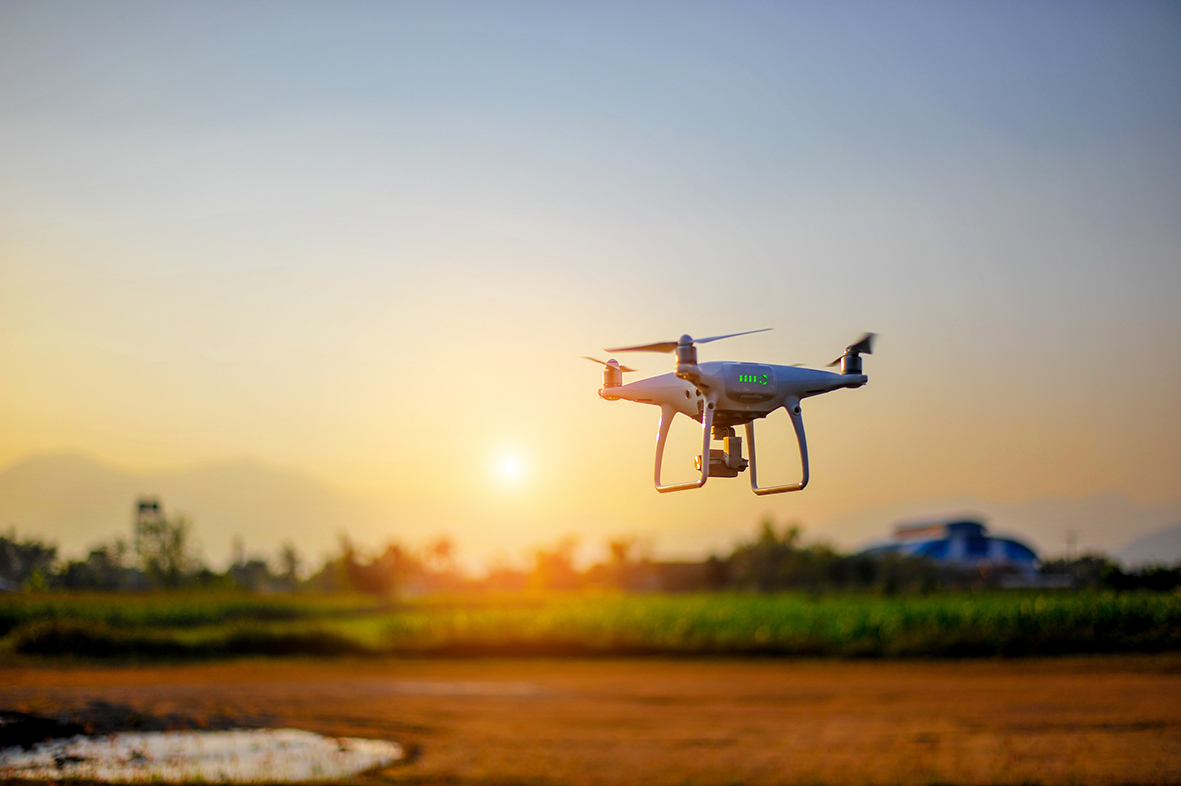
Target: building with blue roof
(960,543)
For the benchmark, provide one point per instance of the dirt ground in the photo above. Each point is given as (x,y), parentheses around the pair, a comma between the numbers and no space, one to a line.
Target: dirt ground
(648,721)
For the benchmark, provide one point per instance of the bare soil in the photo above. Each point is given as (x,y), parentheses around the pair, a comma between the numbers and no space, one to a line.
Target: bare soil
(650,721)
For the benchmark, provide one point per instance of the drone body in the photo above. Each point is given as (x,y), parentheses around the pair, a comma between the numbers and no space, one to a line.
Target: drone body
(722,395)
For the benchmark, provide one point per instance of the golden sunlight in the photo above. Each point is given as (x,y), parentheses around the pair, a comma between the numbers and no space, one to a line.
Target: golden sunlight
(510,467)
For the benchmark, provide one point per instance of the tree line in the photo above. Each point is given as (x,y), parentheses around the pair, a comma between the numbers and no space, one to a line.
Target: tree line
(774,560)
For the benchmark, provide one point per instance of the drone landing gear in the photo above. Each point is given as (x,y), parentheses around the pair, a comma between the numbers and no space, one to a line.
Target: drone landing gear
(797,420)
(667,413)
(727,462)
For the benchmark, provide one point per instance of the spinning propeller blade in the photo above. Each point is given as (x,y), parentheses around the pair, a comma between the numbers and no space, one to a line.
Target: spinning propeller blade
(864,345)
(728,335)
(604,363)
(669,346)
(663,346)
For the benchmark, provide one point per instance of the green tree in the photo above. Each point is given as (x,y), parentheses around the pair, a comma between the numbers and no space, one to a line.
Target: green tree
(24,561)
(765,564)
(165,550)
(290,564)
(442,554)
(105,568)
(555,569)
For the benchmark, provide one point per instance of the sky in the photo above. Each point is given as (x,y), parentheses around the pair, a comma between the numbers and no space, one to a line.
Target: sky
(370,242)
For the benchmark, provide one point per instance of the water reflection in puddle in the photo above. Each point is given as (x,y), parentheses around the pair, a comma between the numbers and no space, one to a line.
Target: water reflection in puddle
(277,755)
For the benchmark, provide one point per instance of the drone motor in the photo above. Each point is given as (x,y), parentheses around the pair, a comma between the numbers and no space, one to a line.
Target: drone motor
(612,373)
(851,359)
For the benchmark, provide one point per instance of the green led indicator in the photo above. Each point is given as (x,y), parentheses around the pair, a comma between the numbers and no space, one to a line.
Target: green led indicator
(758,379)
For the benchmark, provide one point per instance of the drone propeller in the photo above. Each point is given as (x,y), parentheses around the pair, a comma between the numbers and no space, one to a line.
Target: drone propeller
(608,364)
(686,340)
(863,345)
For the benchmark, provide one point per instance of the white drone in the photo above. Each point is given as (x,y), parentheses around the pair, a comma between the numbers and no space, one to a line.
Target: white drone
(721,395)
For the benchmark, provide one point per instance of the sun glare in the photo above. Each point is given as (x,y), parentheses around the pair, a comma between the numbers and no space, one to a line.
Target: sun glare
(510,468)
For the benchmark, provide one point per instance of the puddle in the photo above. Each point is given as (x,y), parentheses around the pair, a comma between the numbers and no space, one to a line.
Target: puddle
(275,755)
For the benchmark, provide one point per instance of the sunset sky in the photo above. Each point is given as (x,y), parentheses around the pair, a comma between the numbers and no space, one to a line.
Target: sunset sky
(370,242)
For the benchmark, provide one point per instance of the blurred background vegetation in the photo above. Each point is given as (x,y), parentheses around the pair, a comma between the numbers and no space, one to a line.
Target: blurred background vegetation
(772,595)
(774,560)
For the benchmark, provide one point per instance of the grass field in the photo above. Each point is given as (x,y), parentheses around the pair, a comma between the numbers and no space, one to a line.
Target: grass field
(945,625)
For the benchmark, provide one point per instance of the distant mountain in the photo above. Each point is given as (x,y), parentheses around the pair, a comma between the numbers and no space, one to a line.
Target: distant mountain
(1159,548)
(76,501)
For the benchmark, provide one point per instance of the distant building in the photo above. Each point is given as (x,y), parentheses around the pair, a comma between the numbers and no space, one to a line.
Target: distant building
(149,512)
(961,543)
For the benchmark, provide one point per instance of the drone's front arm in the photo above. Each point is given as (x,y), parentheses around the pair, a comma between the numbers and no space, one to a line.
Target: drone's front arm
(667,413)
(792,405)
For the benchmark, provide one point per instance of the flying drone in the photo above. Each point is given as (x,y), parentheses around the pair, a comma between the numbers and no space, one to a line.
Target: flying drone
(721,395)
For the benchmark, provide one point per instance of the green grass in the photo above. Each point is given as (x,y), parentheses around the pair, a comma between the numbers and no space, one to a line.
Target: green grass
(946,625)
(177,610)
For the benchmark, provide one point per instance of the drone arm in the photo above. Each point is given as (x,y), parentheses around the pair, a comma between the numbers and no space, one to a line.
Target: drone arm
(667,413)
(797,420)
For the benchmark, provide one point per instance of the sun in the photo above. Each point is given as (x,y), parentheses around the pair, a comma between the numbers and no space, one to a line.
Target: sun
(510,468)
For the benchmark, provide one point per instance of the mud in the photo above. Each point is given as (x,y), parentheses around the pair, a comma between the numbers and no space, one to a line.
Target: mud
(651,721)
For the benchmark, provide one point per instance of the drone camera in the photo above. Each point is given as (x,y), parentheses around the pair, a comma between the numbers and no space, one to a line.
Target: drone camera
(727,462)
(720,464)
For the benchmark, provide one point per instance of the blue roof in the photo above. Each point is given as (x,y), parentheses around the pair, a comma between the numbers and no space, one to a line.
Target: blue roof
(955,541)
